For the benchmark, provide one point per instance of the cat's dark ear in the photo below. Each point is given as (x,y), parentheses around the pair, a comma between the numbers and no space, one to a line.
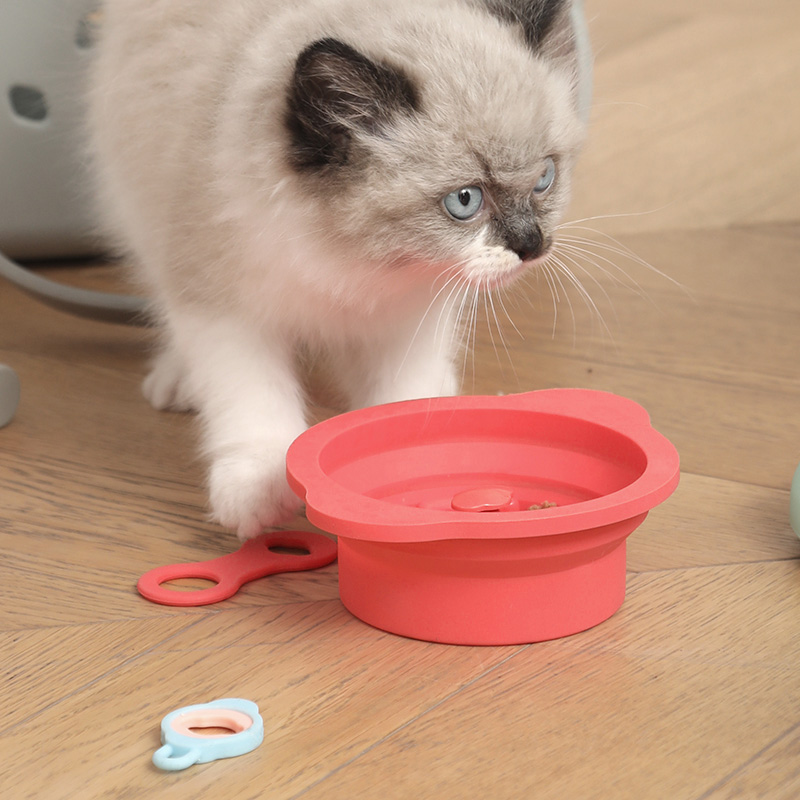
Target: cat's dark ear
(335,93)
(548,25)
(536,17)
(556,31)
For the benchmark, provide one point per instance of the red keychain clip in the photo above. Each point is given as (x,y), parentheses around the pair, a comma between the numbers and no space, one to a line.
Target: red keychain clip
(256,558)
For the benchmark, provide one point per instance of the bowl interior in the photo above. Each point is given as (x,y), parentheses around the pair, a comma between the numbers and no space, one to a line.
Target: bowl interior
(425,458)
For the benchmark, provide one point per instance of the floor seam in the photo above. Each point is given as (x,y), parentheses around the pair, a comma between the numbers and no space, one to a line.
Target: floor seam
(121,665)
(719,784)
(408,723)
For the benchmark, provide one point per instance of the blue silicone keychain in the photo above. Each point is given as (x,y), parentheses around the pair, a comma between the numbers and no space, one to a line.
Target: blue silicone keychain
(182,746)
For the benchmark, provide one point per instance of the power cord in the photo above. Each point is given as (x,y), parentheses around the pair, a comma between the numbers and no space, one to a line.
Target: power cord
(102,306)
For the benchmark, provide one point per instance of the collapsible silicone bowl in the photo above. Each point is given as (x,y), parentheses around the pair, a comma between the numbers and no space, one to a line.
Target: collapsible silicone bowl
(432,503)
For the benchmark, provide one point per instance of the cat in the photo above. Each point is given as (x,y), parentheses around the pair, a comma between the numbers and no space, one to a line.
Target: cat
(331,175)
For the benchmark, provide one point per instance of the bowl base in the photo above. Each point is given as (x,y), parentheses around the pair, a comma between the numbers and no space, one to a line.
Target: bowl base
(437,592)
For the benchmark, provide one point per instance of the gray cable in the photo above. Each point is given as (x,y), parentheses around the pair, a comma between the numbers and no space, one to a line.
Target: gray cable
(102,306)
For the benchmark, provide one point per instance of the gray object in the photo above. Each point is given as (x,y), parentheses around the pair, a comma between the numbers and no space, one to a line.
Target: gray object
(45,209)
(9,394)
(44,196)
(102,306)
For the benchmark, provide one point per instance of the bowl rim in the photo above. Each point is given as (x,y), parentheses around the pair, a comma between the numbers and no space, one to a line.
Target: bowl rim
(342,511)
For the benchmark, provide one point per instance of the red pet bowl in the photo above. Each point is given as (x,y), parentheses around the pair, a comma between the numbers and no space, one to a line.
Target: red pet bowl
(484,520)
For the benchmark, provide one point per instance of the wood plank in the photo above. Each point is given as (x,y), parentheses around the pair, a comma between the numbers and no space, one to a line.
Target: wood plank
(730,339)
(676,125)
(44,666)
(709,522)
(773,773)
(319,711)
(690,660)
(134,526)
(720,430)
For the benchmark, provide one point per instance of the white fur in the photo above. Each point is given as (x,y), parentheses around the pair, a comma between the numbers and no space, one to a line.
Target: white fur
(245,265)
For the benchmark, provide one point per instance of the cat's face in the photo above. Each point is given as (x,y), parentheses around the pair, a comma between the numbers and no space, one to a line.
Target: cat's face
(459,167)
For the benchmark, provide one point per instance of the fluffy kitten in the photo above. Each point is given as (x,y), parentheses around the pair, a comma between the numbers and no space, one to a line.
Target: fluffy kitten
(328,174)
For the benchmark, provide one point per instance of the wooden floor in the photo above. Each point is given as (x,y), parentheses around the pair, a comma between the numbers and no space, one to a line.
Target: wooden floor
(691,691)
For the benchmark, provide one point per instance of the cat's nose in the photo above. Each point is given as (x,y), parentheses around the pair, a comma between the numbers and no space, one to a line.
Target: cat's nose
(530,250)
(528,253)
(529,246)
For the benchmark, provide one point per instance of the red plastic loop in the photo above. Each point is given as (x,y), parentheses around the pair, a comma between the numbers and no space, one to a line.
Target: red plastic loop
(255,559)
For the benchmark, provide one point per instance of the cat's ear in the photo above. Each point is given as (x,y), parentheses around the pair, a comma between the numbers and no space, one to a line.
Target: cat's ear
(556,31)
(337,92)
(548,26)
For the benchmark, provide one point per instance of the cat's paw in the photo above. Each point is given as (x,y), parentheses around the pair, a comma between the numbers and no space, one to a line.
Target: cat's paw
(249,493)
(165,386)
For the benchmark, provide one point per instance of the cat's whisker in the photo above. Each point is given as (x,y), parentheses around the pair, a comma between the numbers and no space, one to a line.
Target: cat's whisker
(475,320)
(459,289)
(442,313)
(457,302)
(621,215)
(541,273)
(470,329)
(500,298)
(545,270)
(614,249)
(443,307)
(583,293)
(577,265)
(555,282)
(467,328)
(490,299)
(461,322)
(486,297)
(565,254)
(583,247)
(617,248)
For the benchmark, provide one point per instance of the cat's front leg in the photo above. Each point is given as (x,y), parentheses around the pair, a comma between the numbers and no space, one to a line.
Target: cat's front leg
(404,364)
(165,385)
(251,407)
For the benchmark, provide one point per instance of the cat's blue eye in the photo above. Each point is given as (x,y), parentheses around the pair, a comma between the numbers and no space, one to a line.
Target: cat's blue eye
(547,178)
(465,203)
